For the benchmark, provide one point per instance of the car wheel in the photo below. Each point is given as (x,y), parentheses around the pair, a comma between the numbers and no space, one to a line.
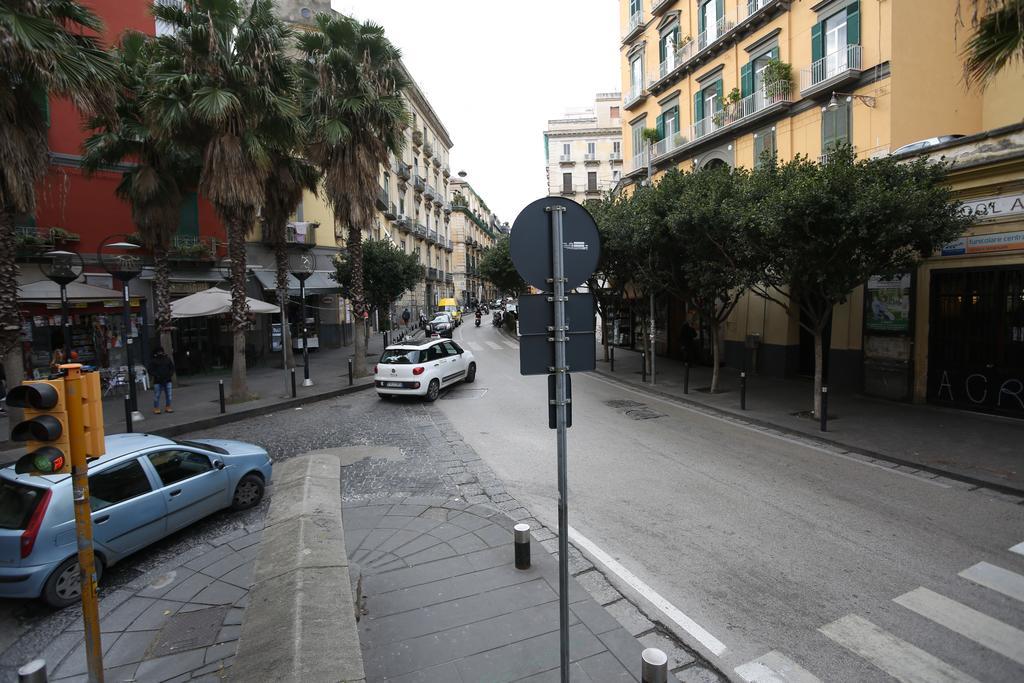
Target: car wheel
(471,373)
(64,587)
(433,389)
(248,493)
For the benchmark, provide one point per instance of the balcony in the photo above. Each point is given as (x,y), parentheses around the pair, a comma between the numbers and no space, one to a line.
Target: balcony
(403,223)
(633,27)
(382,198)
(419,230)
(566,160)
(428,149)
(572,189)
(419,184)
(448,246)
(437,162)
(446,172)
(402,170)
(637,94)
(593,189)
(431,273)
(391,212)
(432,237)
(590,159)
(831,71)
(638,162)
(429,192)
(417,139)
(439,199)
(615,157)
(449,278)
(190,248)
(658,6)
(447,208)
(712,33)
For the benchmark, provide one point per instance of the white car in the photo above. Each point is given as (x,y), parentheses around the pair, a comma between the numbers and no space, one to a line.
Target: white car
(422,368)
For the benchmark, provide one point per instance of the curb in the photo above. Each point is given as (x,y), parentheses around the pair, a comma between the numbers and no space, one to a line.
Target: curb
(300,624)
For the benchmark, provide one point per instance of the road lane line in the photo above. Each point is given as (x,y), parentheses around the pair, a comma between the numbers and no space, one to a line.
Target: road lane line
(998,579)
(712,644)
(896,657)
(511,344)
(774,667)
(780,437)
(970,623)
(1019,549)
(494,345)
(473,346)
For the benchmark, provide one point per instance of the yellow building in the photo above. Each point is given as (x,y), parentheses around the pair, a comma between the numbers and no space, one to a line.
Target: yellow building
(474,229)
(722,81)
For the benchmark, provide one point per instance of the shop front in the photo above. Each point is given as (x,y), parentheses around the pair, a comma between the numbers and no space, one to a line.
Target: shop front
(324,309)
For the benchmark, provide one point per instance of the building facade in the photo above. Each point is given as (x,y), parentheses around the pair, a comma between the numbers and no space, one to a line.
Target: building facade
(726,81)
(583,149)
(474,229)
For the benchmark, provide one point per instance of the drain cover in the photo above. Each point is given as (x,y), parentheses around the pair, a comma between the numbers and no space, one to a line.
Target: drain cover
(643,414)
(634,409)
(189,631)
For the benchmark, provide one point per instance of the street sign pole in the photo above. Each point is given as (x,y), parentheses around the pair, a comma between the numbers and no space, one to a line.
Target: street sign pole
(558,287)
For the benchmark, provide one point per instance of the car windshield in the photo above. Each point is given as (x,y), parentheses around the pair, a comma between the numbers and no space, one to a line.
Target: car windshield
(400,356)
(17,503)
(440,319)
(203,445)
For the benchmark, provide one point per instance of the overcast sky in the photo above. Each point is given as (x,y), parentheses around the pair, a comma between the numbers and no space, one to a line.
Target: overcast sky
(495,72)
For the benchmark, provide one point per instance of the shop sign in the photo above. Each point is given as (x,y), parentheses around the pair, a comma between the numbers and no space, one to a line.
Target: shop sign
(888,304)
(190,287)
(985,244)
(994,207)
(983,389)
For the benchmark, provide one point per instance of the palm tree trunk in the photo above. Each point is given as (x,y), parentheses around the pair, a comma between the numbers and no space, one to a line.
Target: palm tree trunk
(281,262)
(162,299)
(238,227)
(10,318)
(359,340)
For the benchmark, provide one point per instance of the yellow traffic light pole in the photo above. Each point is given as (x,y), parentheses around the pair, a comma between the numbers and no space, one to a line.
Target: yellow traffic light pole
(83,519)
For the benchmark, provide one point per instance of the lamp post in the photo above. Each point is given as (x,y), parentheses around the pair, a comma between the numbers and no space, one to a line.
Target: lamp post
(63,267)
(116,255)
(302,266)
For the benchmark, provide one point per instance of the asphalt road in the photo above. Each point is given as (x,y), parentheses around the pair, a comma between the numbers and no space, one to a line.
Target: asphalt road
(777,550)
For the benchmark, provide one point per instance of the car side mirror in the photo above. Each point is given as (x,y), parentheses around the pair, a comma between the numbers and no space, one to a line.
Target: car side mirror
(219,464)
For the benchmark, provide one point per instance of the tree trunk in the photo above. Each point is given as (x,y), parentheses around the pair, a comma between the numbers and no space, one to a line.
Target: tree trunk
(359,337)
(238,226)
(715,360)
(162,300)
(818,371)
(281,263)
(14,371)
(10,317)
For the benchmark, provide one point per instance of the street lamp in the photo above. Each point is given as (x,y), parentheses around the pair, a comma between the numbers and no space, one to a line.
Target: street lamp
(302,266)
(117,258)
(63,267)
(833,102)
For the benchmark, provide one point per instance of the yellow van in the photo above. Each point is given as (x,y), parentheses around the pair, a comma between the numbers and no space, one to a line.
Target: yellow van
(450,306)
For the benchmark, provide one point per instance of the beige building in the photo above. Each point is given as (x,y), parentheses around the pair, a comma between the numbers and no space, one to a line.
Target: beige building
(584,149)
(474,229)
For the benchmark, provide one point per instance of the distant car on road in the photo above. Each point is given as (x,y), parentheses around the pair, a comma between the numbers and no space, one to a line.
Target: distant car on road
(422,369)
(145,488)
(442,325)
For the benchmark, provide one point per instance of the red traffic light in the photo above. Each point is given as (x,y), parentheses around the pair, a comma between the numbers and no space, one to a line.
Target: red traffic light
(38,395)
(46,460)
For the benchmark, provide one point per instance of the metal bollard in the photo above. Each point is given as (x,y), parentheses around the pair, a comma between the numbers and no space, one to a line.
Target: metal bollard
(654,666)
(743,391)
(643,366)
(824,409)
(293,382)
(128,414)
(686,378)
(220,389)
(613,358)
(350,372)
(522,542)
(33,672)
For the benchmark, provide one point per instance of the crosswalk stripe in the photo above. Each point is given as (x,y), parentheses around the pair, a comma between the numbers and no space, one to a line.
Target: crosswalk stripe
(1019,549)
(511,344)
(473,346)
(896,657)
(494,345)
(998,579)
(981,628)
(774,667)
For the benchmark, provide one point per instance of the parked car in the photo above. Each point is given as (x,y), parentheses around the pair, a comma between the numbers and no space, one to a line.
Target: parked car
(442,325)
(422,369)
(145,488)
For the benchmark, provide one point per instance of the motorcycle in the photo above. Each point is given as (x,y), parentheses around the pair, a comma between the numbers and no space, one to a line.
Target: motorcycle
(478,321)
(496,319)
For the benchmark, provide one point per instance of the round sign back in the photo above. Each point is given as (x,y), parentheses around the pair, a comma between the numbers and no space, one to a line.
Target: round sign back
(531,247)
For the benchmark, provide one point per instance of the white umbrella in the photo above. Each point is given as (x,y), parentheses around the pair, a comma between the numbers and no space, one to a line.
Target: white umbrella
(214,301)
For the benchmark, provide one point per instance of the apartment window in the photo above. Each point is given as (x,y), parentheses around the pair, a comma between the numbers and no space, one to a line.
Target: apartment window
(415,166)
(835,126)
(401,203)
(638,137)
(567,150)
(830,40)
(592,181)
(708,101)
(764,145)
(668,122)
(752,73)
(387,186)
(614,112)
(636,74)
(710,13)
(635,7)
(162,27)
(616,176)
(667,48)
(592,149)
(567,182)
(617,147)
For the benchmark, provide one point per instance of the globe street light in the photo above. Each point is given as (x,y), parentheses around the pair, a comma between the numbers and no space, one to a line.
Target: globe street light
(63,267)
(117,258)
(302,266)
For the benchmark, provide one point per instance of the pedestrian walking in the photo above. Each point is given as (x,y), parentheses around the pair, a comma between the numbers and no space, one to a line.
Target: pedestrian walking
(161,371)
(406,316)
(689,342)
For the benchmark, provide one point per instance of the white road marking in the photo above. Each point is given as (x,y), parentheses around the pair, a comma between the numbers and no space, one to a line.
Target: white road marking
(511,344)
(473,346)
(896,657)
(780,437)
(712,644)
(981,628)
(774,667)
(494,345)
(1019,549)
(998,579)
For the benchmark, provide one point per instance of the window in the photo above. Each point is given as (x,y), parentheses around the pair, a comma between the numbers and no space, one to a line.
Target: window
(635,7)
(708,21)
(668,122)
(17,503)
(99,279)
(567,150)
(567,182)
(616,175)
(638,138)
(835,126)
(401,203)
(592,149)
(617,147)
(667,49)
(591,181)
(117,484)
(458,349)
(764,145)
(162,27)
(614,113)
(400,357)
(435,352)
(830,42)
(835,43)
(175,466)
(636,75)
(387,186)
(450,348)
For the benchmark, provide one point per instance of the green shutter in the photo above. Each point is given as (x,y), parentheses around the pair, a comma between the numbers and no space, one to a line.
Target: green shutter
(41,99)
(675,112)
(746,79)
(698,106)
(817,48)
(774,53)
(659,125)
(842,123)
(719,9)
(853,24)
(662,55)
(758,148)
(188,220)
(701,24)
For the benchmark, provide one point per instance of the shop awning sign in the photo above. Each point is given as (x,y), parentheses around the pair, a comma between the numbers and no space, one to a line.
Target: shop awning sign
(994,207)
(985,244)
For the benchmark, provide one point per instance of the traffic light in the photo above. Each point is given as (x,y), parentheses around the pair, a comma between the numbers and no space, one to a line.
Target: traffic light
(92,413)
(44,429)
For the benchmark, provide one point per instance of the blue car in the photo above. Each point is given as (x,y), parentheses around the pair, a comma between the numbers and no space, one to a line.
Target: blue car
(143,489)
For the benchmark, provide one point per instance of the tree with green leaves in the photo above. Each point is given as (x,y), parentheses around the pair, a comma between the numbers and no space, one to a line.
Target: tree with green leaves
(496,267)
(613,272)
(355,114)
(822,230)
(997,41)
(47,48)
(387,272)
(222,78)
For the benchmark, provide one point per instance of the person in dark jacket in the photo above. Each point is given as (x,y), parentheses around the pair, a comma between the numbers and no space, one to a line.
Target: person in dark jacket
(161,372)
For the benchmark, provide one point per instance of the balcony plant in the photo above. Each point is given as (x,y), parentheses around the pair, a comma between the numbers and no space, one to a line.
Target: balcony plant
(777,72)
(59,235)
(734,96)
(417,137)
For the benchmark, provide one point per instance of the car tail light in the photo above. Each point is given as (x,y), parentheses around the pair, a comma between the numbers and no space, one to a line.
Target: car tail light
(418,371)
(28,538)
(375,369)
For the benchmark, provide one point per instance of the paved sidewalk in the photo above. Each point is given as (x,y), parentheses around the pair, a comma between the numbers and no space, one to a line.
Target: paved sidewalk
(983,449)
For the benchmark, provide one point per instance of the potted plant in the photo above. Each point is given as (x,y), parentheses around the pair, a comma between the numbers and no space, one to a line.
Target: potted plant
(734,96)
(778,76)
(650,135)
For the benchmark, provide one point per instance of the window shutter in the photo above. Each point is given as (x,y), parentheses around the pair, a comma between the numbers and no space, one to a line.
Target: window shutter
(698,106)
(660,126)
(746,79)
(701,23)
(842,123)
(853,23)
(675,116)
(188,217)
(662,52)
(816,44)
(775,52)
(719,9)
(758,148)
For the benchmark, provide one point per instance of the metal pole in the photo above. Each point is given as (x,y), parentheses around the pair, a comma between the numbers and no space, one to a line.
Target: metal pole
(33,672)
(65,322)
(350,372)
(643,365)
(686,377)
(306,382)
(653,354)
(128,414)
(743,391)
(654,666)
(136,415)
(83,521)
(558,273)
(285,336)
(220,388)
(824,409)
(293,382)
(522,545)
(612,350)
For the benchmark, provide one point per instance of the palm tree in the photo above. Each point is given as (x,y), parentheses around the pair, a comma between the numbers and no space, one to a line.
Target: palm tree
(46,48)
(353,98)
(998,39)
(152,186)
(223,79)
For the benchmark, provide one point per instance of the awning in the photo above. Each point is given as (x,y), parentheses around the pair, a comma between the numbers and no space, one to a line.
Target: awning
(48,292)
(320,282)
(214,301)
